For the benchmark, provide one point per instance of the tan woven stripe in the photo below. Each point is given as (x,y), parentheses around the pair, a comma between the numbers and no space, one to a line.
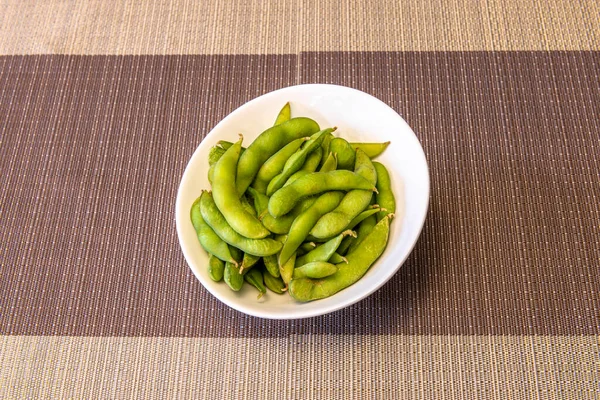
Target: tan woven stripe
(301,367)
(292,26)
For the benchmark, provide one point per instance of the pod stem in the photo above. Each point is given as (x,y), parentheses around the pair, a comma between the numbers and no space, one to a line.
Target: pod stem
(349,232)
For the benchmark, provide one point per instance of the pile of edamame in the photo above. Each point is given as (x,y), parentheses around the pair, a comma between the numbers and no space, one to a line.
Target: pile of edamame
(298,210)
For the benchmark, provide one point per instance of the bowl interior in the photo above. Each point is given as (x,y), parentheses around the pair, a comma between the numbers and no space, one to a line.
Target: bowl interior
(359,117)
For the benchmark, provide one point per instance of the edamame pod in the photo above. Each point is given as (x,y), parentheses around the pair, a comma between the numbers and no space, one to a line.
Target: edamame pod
(362,216)
(215,154)
(287,269)
(345,245)
(310,165)
(296,161)
(345,153)
(208,239)
(226,145)
(364,228)
(255,278)
(214,218)
(261,201)
(274,165)
(305,221)
(330,163)
(227,200)
(248,262)
(351,206)
(231,275)
(385,197)
(272,266)
(267,144)
(216,268)
(336,258)
(325,147)
(275,285)
(359,262)
(284,115)
(370,149)
(287,197)
(315,269)
(247,206)
(306,247)
(324,251)
(281,225)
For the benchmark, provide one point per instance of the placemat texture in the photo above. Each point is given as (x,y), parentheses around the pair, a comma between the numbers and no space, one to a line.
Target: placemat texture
(102,105)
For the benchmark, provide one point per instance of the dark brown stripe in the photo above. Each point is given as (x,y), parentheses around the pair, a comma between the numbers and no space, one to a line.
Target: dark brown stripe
(92,150)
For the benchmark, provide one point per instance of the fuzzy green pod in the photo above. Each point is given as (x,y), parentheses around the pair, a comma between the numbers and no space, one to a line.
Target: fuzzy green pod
(208,239)
(315,269)
(216,268)
(284,114)
(267,144)
(287,197)
(214,218)
(227,200)
(385,196)
(345,153)
(354,202)
(371,149)
(359,262)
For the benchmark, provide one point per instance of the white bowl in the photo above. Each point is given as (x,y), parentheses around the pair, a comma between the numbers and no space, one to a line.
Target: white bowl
(359,117)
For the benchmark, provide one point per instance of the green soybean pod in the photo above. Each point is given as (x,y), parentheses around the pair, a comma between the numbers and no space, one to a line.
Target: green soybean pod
(330,163)
(370,149)
(364,228)
(255,278)
(306,247)
(215,154)
(305,221)
(324,251)
(296,161)
(351,206)
(287,197)
(216,268)
(310,165)
(282,224)
(267,144)
(271,265)
(284,115)
(345,153)
(355,221)
(345,245)
(261,201)
(227,200)
(336,258)
(248,261)
(280,238)
(274,165)
(214,218)
(359,262)
(232,276)
(325,147)
(226,145)
(362,216)
(315,269)
(385,197)
(249,208)
(211,174)
(275,285)
(208,239)
(287,269)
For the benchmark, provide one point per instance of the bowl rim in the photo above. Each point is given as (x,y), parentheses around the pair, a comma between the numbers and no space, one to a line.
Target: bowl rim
(304,313)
